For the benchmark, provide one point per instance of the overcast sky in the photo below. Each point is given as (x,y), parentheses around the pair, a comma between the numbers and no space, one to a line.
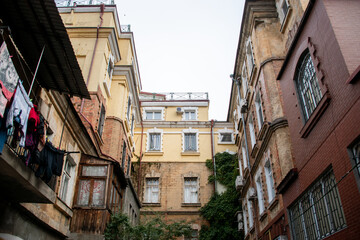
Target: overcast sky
(186,45)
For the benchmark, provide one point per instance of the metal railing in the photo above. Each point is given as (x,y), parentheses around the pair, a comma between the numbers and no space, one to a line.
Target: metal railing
(125,28)
(176,96)
(70,3)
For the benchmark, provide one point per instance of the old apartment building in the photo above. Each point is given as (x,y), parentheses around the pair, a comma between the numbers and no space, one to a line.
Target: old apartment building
(89,142)
(175,140)
(294,103)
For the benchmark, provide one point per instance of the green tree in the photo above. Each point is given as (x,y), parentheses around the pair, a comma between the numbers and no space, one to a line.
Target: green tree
(153,228)
(220,210)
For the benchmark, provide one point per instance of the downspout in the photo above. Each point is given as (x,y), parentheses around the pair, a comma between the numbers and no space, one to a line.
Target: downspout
(212,154)
(102,8)
(140,157)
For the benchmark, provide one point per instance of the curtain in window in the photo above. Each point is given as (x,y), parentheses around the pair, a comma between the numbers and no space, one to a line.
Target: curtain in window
(155,141)
(269,181)
(84,192)
(190,142)
(152,191)
(98,193)
(190,190)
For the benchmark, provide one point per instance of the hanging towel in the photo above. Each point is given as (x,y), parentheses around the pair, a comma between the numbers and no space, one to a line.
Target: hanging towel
(19,110)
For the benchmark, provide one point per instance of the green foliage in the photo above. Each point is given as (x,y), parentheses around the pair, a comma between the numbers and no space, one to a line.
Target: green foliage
(220,210)
(150,229)
(226,171)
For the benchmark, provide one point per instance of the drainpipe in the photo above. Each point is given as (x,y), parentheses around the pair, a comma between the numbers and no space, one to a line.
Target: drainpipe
(141,142)
(212,154)
(102,8)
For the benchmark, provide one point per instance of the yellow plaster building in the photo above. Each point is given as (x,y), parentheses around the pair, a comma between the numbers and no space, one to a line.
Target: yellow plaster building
(174,141)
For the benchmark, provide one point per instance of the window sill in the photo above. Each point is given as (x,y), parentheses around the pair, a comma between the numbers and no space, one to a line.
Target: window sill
(151,204)
(315,116)
(254,150)
(226,143)
(273,204)
(154,153)
(190,154)
(191,204)
(63,207)
(263,216)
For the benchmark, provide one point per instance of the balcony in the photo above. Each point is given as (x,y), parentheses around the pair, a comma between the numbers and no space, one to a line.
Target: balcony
(18,181)
(70,3)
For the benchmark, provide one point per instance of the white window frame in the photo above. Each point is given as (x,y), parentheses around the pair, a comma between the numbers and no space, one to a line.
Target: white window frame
(191,191)
(259,191)
(67,188)
(244,155)
(221,132)
(269,181)
(151,189)
(283,15)
(148,142)
(249,208)
(190,109)
(252,131)
(188,131)
(153,110)
(108,75)
(259,110)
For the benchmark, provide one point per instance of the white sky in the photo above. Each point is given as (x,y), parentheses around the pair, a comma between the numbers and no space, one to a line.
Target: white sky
(186,46)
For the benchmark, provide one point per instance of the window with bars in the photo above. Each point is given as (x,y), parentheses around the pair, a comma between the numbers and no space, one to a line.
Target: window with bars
(318,213)
(191,190)
(91,187)
(152,190)
(154,141)
(190,142)
(307,85)
(354,153)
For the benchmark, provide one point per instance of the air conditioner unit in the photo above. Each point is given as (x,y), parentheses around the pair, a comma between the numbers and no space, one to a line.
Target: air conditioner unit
(179,110)
(239,182)
(252,193)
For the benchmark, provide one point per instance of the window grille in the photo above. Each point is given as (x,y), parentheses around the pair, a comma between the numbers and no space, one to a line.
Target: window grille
(307,86)
(318,213)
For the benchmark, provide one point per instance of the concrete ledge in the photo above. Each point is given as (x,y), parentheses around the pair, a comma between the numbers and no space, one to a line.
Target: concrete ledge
(20,183)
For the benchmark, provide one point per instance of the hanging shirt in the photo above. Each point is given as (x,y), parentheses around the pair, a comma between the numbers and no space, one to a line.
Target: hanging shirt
(20,107)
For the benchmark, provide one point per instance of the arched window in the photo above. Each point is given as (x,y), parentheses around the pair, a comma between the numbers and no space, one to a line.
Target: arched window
(307,85)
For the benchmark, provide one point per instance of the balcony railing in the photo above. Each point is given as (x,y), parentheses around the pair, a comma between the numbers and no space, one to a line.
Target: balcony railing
(125,28)
(70,3)
(176,96)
